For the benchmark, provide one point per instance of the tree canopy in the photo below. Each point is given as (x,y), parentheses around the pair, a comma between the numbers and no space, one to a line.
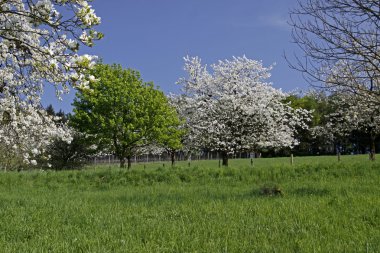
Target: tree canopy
(340,46)
(233,109)
(124,113)
(39,43)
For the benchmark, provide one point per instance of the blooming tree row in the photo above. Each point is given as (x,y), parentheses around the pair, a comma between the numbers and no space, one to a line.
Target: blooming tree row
(351,113)
(339,40)
(229,108)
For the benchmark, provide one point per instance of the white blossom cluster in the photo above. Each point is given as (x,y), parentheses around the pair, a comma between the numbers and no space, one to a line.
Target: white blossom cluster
(352,113)
(233,109)
(39,41)
(355,97)
(359,79)
(37,44)
(26,131)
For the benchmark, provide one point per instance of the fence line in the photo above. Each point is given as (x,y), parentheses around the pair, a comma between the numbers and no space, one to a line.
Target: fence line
(165,157)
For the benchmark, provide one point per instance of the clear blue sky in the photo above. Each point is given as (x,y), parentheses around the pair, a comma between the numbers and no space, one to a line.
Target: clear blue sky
(153,36)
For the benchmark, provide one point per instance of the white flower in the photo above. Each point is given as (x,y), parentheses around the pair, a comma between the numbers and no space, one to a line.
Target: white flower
(40,49)
(232,108)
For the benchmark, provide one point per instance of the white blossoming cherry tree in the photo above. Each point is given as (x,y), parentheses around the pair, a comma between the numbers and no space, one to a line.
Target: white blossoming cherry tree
(39,43)
(354,95)
(233,109)
(353,113)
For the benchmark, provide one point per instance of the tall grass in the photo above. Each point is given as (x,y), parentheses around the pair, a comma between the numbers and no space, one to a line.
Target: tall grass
(325,206)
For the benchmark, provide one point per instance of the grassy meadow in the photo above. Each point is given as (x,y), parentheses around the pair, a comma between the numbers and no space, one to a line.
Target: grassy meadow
(320,205)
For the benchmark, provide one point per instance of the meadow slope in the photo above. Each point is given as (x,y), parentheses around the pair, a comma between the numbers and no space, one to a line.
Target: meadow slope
(322,206)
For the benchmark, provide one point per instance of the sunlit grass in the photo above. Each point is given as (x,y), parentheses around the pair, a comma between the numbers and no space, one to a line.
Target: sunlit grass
(325,206)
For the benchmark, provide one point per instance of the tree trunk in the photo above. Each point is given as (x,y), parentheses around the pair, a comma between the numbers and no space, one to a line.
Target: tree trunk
(373,151)
(172,156)
(338,149)
(129,162)
(122,162)
(224,158)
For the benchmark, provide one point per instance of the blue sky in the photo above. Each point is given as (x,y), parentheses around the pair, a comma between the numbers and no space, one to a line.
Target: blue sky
(153,36)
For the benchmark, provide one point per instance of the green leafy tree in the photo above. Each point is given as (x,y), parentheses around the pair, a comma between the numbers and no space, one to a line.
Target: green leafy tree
(63,154)
(124,113)
(319,104)
(73,155)
(171,139)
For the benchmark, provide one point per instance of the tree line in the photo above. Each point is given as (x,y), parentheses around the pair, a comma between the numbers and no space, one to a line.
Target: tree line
(227,107)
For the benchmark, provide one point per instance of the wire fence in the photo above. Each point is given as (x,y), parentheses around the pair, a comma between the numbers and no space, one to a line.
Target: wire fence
(165,157)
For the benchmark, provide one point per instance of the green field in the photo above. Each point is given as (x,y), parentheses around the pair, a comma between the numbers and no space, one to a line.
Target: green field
(324,206)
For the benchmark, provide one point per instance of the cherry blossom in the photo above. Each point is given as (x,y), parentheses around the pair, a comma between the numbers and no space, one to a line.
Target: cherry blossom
(39,43)
(234,109)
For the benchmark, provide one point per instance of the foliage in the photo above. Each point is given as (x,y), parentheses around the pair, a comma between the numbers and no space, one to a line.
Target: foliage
(73,155)
(339,41)
(317,102)
(25,132)
(353,114)
(233,109)
(67,155)
(10,160)
(39,41)
(123,113)
(342,122)
(312,140)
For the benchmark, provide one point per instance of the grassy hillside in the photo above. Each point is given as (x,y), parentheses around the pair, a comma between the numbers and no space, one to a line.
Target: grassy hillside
(316,205)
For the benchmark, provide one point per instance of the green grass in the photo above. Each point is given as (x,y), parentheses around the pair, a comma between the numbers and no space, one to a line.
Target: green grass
(326,206)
